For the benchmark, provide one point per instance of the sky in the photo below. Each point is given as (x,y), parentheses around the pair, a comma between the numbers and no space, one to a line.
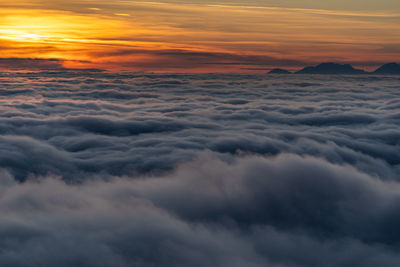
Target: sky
(196,36)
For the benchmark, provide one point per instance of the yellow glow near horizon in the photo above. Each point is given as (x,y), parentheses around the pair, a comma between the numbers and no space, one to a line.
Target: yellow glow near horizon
(63,33)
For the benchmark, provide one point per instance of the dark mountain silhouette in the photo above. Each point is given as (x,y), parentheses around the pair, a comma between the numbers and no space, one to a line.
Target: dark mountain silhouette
(279,71)
(390,68)
(331,68)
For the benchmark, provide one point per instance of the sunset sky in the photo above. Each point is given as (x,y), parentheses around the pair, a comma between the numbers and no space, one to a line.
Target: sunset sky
(196,36)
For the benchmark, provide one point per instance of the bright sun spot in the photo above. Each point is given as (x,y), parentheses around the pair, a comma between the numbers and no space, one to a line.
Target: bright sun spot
(19,35)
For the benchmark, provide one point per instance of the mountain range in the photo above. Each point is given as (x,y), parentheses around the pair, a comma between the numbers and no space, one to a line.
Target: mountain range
(335,68)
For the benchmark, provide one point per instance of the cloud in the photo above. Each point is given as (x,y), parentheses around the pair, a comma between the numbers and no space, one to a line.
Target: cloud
(170,59)
(30,64)
(106,124)
(254,211)
(106,169)
(38,64)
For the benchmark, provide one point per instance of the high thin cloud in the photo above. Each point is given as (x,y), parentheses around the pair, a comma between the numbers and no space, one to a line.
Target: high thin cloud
(180,60)
(38,64)
(30,64)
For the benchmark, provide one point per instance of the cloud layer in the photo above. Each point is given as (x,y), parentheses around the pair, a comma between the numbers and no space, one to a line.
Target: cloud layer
(255,211)
(199,170)
(76,125)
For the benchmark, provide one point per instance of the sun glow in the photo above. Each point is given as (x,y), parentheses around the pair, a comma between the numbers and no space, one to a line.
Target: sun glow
(18,35)
(57,34)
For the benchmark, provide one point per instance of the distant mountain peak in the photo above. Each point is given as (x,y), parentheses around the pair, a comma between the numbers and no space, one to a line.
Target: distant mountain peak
(389,68)
(331,68)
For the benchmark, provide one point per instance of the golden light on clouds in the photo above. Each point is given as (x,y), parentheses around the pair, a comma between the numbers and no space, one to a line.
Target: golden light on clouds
(154,36)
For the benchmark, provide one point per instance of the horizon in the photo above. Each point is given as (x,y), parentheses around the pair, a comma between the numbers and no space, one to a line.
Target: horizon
(60,68)
(198,37)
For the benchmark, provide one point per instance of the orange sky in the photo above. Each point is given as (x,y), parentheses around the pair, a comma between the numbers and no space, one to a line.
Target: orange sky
(187,36)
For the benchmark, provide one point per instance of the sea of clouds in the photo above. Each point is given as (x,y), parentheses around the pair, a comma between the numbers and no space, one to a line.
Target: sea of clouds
(103,169)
